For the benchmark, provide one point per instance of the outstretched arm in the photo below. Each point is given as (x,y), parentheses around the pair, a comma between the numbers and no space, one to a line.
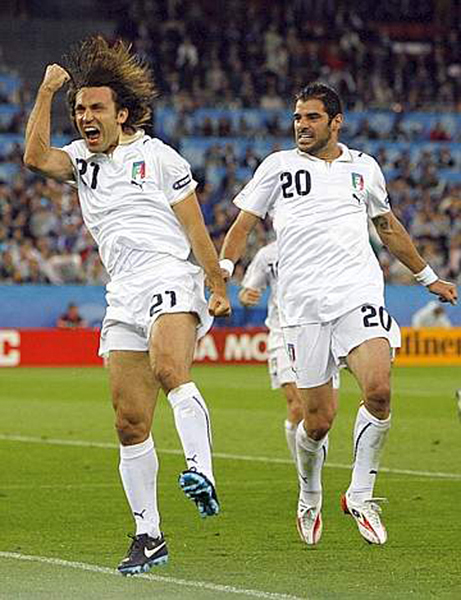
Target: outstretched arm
(39,155)
(235,242)
(191,218)
(396,238)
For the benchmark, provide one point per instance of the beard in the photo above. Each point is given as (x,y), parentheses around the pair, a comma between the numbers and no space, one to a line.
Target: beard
(318,146)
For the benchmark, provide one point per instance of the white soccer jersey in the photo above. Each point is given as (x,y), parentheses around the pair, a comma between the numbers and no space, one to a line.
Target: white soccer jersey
(126,199)
(319,209)
(262,273)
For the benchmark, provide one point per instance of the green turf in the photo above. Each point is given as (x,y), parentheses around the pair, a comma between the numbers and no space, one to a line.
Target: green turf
(65,502)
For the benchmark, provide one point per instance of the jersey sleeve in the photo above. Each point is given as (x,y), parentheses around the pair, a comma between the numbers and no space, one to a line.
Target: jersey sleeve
(71,151)
(176,175)
(256,274)
(259,194)
(377,196)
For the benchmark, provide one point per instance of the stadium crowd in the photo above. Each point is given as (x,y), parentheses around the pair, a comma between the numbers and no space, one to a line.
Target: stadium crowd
(256,63)
(266,52)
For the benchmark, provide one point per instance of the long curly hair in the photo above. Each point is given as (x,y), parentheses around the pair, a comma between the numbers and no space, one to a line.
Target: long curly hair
(95,62)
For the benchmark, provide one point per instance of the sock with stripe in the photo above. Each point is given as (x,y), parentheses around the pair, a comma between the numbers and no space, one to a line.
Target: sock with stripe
(311,455)
(138,471)
(192,422)
(369,436)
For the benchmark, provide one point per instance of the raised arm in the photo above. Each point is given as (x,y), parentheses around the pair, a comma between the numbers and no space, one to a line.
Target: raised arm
(39,155)
(396,238)
(235,241)
(191,218)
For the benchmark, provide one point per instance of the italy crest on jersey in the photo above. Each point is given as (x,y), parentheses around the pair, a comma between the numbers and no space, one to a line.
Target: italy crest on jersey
(358,182)
(138,171)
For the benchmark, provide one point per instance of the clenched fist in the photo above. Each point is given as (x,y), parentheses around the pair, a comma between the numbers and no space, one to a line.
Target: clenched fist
(55,77)
(218,305)
(445,290)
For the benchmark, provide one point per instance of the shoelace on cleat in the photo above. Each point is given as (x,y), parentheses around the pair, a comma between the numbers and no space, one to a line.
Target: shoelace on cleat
(373,510)
(308,514)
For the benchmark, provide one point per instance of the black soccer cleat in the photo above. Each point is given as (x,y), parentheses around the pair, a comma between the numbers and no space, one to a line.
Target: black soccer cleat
(144,553)
(199,488)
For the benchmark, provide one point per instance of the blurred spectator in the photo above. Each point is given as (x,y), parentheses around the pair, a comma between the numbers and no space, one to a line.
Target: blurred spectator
(439,134)
(431,315)
(71,318)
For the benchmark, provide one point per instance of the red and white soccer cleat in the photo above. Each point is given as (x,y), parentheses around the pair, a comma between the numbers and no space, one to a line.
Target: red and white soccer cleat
(309,524)
(367,515)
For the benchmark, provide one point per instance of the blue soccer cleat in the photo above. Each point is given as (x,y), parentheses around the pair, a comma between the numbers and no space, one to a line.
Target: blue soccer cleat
(199,488)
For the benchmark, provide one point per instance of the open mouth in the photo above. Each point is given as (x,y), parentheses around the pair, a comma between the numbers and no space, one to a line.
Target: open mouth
(92,134)
(305,137)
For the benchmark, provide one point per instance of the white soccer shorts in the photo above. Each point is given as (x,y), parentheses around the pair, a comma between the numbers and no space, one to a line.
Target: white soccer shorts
(280,367)
(317,350)
(135,302)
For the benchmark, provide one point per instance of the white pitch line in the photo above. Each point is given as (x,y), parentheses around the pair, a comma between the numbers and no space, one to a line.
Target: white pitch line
(203,585)
(223,455)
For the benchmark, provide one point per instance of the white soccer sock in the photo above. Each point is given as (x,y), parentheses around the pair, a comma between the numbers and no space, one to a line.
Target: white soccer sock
(138,471)
(311,455)
(369,436)
(193,426)
(290,434)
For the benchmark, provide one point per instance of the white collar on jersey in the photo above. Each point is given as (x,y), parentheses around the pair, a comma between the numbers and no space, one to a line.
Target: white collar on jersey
(345,155)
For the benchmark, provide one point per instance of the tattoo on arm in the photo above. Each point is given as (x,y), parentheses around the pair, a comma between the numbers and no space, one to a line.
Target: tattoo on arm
(383,224)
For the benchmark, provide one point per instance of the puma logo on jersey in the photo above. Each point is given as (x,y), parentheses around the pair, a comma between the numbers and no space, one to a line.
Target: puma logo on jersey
(138,183)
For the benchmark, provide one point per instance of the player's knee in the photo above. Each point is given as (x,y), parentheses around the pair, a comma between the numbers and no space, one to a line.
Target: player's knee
(318,423)
(317,432)
(169,374)
(131,428)
(378,400)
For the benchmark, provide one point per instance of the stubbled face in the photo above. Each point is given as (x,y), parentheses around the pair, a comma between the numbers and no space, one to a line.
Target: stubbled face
(97,118)
(314,134)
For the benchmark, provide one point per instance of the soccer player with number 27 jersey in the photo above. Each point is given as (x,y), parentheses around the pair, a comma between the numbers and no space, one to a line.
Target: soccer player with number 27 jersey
(331,294)
(138,201)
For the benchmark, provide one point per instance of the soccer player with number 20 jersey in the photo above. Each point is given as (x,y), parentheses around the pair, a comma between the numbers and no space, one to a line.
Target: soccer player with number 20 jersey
(331,294)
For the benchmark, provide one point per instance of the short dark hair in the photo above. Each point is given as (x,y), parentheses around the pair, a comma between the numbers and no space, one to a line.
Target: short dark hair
(95,62)
(325,93)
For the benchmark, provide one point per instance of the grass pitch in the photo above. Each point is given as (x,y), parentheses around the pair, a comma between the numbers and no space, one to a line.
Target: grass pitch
(64,515)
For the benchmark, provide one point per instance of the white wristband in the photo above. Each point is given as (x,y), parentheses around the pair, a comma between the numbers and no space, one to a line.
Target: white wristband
(227,265)
(426,276)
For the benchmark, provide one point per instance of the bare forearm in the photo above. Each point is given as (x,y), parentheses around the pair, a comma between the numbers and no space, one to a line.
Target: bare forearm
(37,143)
(207,257)
(397,240)
(394,235)
(235,242)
